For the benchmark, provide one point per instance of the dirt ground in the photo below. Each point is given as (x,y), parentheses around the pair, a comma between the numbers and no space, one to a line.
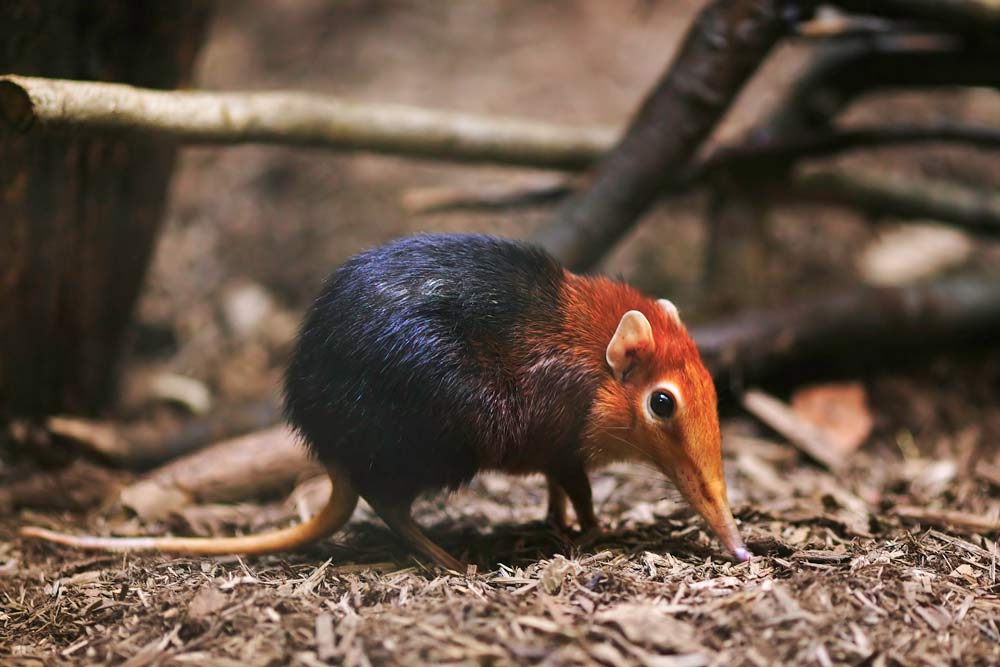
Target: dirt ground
(841,575)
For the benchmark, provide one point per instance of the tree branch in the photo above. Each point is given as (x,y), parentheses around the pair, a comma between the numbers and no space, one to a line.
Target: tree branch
(977,211)
(723,47)
(842,72)
(860,319)
(970,15)
(801,128)
(752,158)
(902,197)
(295,119)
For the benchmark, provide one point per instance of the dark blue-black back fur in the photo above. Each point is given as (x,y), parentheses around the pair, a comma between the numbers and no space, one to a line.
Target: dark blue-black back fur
(400,374)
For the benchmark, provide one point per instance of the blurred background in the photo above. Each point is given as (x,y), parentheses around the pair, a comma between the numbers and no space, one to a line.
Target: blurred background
(903,507)
(252,231)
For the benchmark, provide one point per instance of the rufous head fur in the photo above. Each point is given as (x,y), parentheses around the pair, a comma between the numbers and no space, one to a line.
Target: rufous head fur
(659,406)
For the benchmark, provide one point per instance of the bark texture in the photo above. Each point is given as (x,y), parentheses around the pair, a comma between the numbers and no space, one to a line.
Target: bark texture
(80,215)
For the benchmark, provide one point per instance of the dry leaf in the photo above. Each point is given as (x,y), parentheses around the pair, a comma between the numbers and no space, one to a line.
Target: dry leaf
(206,602)
(839,410)
(649,626)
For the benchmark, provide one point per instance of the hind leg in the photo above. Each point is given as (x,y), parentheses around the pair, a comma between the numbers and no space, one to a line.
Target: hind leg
(397,516)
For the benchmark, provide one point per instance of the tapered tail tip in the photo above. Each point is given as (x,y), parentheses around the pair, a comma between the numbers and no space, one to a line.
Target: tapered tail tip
(741,554)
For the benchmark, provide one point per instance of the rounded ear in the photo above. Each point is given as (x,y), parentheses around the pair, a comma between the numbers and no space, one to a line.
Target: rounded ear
(671,310)
(632,342)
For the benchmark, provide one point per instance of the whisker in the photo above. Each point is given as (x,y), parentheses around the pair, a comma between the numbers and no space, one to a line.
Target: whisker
(627,442)
(641,476)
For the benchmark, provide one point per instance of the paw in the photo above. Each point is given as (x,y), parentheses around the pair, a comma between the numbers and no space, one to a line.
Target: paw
(557,523)
(589,536)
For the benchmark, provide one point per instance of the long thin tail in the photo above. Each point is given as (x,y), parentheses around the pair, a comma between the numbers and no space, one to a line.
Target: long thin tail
(336,512)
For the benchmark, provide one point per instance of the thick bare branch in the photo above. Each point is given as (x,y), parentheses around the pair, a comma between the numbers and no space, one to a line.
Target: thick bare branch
(972,15)
(721,50)
(294,118)
(873,320)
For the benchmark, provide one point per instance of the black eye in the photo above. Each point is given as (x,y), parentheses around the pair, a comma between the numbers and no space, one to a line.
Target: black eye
(663,404)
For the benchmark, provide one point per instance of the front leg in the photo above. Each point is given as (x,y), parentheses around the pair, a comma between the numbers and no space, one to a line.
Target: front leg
(555,516)
(571,477)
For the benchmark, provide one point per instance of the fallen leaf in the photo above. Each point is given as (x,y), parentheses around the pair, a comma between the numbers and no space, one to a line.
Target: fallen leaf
(206,602)
(840,410)
(646,625)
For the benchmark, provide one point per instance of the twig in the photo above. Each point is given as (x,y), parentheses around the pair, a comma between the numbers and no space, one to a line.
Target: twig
(261,463)
(726,164)
(723,47)
(809,439)
(900,197)
(826,26)
(989,472)
(965,521)
(964,545)
(142,445)
(490,196)
(296,119)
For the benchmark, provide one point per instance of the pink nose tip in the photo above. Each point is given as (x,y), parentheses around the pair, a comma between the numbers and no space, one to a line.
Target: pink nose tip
(742,555)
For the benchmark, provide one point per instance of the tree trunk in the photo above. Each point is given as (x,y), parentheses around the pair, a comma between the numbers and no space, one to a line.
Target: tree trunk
(80,215)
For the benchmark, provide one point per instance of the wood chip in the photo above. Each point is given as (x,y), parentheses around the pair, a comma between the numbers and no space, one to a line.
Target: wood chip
(326,645)
(964,521)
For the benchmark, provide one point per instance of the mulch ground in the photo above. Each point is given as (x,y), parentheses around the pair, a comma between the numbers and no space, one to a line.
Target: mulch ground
(840,576)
